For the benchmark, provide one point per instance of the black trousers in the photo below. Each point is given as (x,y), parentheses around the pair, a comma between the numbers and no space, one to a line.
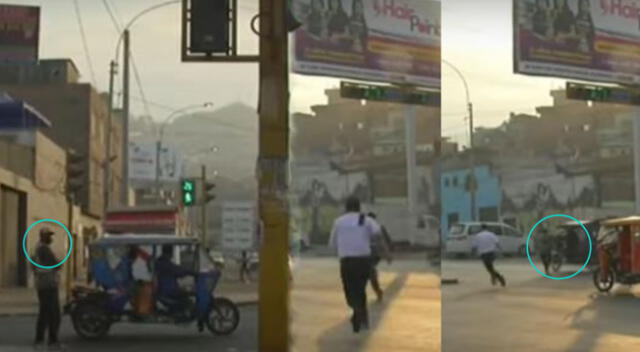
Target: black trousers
(355,272)
(48,315)
(488,259)
(546,261)
(375,260)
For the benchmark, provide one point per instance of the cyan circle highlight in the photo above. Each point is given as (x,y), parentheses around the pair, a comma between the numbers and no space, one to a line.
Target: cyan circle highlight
(586,232)
(24,244)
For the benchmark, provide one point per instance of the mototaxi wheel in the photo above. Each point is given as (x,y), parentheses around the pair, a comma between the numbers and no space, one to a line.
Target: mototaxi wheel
(224,317)
(90,321)
(603,285)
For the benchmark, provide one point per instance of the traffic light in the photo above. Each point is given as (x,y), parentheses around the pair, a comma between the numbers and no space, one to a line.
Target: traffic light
(210,24)
(75,172)
(208,186)
(188,187)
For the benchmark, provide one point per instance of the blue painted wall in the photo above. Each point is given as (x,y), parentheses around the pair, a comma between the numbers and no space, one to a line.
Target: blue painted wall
(456,199)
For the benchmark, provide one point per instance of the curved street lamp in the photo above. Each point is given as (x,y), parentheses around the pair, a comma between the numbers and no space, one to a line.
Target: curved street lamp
(112,72)
(472,166)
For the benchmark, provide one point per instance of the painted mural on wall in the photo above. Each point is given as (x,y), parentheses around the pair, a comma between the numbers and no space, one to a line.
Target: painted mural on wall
(320,193)
(529,195)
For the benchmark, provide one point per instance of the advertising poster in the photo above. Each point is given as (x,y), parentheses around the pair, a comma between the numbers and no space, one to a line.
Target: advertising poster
(19,33)
(143,163)
(391,41)
(591,40)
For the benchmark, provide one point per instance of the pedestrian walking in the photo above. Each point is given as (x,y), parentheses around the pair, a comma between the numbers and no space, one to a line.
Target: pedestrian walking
(544,248)
(486,244)
(352,235)
(244,266)
(46,282)
(380,247)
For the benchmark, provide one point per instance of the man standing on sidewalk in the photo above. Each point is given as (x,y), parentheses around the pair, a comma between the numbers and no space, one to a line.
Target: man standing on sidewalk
(352,235)
(486,244)
(47,281)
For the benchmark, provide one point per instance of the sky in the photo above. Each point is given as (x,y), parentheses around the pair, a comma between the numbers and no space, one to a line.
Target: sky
(477,38)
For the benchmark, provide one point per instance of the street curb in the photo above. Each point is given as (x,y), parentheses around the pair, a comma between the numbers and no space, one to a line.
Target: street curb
(245,303)
(14,315)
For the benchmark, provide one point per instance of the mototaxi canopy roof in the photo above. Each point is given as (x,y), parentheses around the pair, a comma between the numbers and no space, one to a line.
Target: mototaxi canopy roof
(628,220)
(143,240)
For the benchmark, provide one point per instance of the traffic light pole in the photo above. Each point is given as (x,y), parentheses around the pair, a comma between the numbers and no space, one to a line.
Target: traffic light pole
(636,158)
(124,191)
(203,209)
(273,108)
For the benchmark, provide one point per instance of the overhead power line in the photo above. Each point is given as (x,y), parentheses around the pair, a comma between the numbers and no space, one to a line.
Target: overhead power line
(118,26)
(83,36)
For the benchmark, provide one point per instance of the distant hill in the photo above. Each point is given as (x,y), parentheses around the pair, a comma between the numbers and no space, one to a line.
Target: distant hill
(232,128)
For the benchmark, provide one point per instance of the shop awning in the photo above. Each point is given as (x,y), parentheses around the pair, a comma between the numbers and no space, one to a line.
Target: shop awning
(18,114)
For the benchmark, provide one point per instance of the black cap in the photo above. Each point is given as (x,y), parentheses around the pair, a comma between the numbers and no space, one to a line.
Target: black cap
(46,232)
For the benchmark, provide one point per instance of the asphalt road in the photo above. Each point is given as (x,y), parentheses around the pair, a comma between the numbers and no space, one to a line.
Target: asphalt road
(407,320)
(534,313)
(17,333)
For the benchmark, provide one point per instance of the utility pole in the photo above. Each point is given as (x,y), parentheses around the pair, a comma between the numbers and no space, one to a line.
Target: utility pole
(410,138)
(273,108)
(158,151)
(636,160)
(472,167)
(107,162)
(124,191)
(203,208)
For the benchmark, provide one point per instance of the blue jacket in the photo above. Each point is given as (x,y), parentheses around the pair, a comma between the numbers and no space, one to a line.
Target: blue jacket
(168,275)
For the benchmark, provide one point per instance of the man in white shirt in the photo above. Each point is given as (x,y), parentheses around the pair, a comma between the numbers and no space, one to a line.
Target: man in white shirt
(352,235)
(486,244)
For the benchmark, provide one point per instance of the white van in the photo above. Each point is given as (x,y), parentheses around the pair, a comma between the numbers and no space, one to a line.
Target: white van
(460,238)
(427,231)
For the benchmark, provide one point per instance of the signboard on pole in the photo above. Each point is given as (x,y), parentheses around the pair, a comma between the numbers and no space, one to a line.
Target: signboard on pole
(19,33)
(239,225)
(351,90)
(142,161)
(591,40)
(143,164)
(392,41)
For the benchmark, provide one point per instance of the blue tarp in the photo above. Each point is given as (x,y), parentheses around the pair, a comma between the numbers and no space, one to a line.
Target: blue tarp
(18,114)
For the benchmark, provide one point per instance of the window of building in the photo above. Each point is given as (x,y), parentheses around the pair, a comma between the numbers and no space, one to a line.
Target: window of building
(446,182)
(454,181)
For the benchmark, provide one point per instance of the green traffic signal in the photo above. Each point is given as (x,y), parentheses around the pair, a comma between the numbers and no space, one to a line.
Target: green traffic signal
(188,193)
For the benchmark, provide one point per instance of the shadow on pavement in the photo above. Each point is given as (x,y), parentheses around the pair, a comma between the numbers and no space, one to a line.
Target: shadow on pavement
(327,342)
(604,314)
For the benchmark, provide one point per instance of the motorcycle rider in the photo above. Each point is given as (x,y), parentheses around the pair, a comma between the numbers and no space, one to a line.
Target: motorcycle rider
(544,247)
(168,274)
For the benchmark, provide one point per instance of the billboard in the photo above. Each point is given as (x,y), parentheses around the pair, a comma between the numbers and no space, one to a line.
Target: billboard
(143,161)
(393,41)
(19,33)
(591,40)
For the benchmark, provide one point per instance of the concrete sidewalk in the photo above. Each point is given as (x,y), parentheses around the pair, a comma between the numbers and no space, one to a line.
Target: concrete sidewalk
(24,301)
